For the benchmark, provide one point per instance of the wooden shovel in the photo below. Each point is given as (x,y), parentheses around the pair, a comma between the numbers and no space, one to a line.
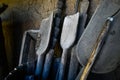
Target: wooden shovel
(68,36)
(45,34)
(91,34)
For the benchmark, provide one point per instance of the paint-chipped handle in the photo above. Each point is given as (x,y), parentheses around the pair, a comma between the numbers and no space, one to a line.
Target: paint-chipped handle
(62,65)
(47,64)
(39,66)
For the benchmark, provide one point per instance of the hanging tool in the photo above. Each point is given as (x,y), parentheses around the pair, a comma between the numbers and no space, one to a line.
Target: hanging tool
(68,37)
(80,29)
(45,34)
(109,54)
(73,68)
(87,43)
(27,37)
(98,45)
(54,39)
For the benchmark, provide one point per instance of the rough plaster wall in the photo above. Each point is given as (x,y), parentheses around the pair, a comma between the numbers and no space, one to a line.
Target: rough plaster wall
(22,15)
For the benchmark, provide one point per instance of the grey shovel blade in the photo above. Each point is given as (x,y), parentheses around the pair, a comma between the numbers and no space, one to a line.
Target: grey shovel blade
(68,36)
(90,35)
(45,32)
(110,54)
(69,31)
(74,63)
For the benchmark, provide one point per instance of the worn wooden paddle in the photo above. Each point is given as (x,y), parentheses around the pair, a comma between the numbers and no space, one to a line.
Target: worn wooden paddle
(68,36)
(45,34)
(89,38)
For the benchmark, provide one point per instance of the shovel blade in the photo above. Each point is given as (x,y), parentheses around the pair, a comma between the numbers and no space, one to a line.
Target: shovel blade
(45,34)
(109,55)
(69,31)
(91,33)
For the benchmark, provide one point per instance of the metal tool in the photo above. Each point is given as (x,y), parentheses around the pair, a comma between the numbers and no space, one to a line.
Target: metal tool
(27,37)
(68,36)
(109,55)
(89,41)
(74,63)
(65,38)
(97,47)
(27,53)
(45,34)
(54,39)
(89,36)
